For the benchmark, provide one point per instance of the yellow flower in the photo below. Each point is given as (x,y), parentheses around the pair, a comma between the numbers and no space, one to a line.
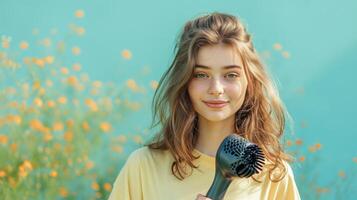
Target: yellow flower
(132,85)
(126,54)
(36,85)
(49,59)
(79,13)
(154,85)
(285,54)
(76,50)
(105,127)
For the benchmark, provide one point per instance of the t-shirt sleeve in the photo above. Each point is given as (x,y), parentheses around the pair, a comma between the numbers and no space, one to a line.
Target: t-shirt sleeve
(127,185)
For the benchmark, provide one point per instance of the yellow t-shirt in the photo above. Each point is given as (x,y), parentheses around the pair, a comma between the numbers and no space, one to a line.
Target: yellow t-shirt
(147,175)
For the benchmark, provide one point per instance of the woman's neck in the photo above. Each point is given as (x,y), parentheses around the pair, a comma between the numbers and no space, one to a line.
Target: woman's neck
(211,134)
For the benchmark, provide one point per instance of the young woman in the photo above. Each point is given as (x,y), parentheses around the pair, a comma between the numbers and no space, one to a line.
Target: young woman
(215,86)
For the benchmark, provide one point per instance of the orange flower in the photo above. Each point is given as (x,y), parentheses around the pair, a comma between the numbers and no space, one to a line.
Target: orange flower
(91,104)
(89,164)
(38,102)
(322,190)
(13,147)
(2,173)
(36,124)
(47,137)
(302,158)
(95,186)
(64,70)
(72,80)
(63,192)
(49,59)
(51,103)
(138,139)
(3,139)
(107,187)
(342,174)
(79,13)
(298,142)
(117,149)
(126,54)
(105,127)
(85,126)
(70,123)
(76,67)
(277,46)
(288,143)
(121,138)
(53,173)
(62,100)
(354,159)
(68,136)
(57,126)
(318,146)
(24,45)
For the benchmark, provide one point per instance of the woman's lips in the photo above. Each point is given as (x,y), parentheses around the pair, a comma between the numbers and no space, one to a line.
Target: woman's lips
(215,105)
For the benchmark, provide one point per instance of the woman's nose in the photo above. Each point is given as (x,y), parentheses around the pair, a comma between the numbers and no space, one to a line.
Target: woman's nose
(216,87)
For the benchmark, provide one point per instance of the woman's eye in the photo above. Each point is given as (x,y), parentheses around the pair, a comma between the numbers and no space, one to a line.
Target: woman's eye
(233,75)
(199,75)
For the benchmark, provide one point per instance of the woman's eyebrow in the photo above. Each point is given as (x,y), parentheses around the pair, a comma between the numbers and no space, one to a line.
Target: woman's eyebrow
(224,67)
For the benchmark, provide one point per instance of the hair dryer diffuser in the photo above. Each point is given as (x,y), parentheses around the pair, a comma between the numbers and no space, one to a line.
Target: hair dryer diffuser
(235,157)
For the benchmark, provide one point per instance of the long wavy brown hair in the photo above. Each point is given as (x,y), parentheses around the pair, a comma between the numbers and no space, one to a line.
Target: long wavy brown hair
(261,118)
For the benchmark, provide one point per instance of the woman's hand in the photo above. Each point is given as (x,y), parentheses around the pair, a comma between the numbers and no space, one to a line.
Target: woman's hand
(201,197)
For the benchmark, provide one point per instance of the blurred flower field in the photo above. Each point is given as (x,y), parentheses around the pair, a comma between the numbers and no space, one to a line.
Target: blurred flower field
(59,134)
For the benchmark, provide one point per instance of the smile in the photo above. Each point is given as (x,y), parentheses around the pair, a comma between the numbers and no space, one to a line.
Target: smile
(216,105)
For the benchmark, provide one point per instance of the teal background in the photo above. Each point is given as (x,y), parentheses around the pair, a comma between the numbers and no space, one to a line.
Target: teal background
(317,81)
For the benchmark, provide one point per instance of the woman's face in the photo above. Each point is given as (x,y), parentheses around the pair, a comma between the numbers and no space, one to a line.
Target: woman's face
(218,75)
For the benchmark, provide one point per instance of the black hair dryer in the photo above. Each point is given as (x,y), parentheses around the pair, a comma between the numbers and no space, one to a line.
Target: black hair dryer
(235,157)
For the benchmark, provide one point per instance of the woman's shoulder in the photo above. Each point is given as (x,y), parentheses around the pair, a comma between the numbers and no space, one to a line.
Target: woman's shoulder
(144,153)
